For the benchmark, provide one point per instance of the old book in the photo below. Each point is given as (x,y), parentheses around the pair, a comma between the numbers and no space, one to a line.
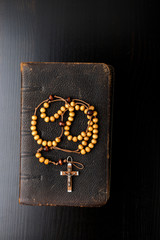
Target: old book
(42,184)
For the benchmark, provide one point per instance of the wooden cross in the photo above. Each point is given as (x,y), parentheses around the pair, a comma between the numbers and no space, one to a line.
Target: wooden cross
(69,173)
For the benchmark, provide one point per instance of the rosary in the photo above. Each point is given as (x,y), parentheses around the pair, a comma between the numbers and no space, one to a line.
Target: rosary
(87,138)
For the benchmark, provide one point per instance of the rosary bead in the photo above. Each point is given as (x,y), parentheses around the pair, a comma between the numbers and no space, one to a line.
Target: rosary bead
(63,108)
(91,108)
(94,141)
(91,145)
(95,113)
(95,125)
(71,119)
(95,120)
(83,134)
(46,149)
(95,136)
(46,105)
(43,115)
(71,114)
(36,137)
(58,139)
(68,99)
(86,110)
(90,129)
(74,139)
(62,124)
(52,119)
(59,112)
(66,128)
(90,123)
(42,110)
(77,107)
(86,138)
(69,137)
(46,119)
(67,105)
(80,146)
(80,137)
(33,123)
(60,162)
(84,143)
(72,104)
(46,161)
(83,152)
(87,149)
(95,130)
(34,117)
(41,159)
(90,112)
(71,109)
(49,143)
(38,155)
(68,123)
(33,128)
(39,141)
(89,134)
(82,108)
(66,133)
(54,143)
(50,97)
(89,117)
(56,115)
(44,143)
(34,133)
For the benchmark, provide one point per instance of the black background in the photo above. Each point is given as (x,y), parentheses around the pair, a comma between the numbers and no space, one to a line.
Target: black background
(124,34)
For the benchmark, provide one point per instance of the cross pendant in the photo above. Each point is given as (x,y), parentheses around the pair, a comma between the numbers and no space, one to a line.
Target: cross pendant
(69,173)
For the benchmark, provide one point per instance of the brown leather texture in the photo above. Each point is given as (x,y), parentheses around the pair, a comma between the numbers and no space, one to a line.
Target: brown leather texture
(42,184)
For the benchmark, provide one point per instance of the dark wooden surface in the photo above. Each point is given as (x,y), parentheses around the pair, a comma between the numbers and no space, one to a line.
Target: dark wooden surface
(121,33)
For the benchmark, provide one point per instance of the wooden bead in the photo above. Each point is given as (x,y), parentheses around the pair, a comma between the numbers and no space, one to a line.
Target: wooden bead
(80,137)
(63,108)
(83,134)
(87,149)
(69,137)
(33,128)
(77,107)
(44,143)
(71,119)
(66,128)
(46,119)
(84,143)
(80,146)
(95,113)
(60,162)
(74,139)
(83,152)
(71,114)
(94,141)
(54,143)
(42,110)
(71,109)
(95,120)
(68,123)
(86,110)
(39,141)
(66,133)
(46,161)
(33,123)
(91,145)
(41,159)
(89,134)
(34,117)
(36,137)
(52,119)
(56,115)
(86,138)
(91,108)
(59,112)
(90,112)
(82,108)
(68,99)
(95,136)
(46,105)
(49,143)
(34,133)
(72,104)
(58,139)
(46,149)
(90,129)
(67,105)
(43,115)
(90,123)
(50,97)
(95,130)
(62,124)
(38,155)
(89,117)
(95,125)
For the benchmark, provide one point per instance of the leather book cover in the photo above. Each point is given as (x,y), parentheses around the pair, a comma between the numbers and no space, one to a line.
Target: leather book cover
(41,184)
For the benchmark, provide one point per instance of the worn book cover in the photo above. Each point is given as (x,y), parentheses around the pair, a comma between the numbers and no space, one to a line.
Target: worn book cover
(41,184)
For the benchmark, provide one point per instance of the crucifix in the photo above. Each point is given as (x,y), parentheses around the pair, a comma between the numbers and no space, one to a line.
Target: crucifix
(69,173)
